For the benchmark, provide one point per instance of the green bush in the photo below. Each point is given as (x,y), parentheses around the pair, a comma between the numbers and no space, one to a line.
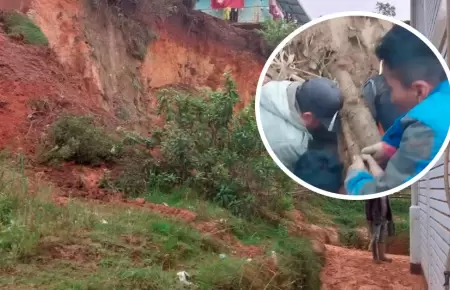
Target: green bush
(274,32)
(300,266)
(207,147)
(77,139)
(18,24)
(350,237)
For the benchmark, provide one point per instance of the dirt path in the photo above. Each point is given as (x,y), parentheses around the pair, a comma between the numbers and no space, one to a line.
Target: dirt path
(348,269)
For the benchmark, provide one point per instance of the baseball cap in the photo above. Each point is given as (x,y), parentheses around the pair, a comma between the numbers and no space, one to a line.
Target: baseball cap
(323,98)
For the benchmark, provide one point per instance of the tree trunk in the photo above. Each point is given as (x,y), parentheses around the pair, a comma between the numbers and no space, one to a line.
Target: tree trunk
(358,126)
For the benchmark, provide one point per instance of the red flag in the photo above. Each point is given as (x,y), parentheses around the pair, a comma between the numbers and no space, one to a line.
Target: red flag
(220,4)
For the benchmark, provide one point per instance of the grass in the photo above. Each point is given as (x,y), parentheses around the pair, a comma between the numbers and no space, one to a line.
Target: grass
(17,24)
(255,232)
(350,215)
(94,246)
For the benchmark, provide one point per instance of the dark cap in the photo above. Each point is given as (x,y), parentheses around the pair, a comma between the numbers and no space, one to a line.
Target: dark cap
(323,98)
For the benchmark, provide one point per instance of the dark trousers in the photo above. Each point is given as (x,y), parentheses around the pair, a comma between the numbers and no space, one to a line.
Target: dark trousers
(378,234)
(234,15)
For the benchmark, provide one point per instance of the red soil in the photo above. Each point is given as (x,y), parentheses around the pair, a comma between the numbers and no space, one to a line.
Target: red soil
(20,5)
(34,90)
(353,270)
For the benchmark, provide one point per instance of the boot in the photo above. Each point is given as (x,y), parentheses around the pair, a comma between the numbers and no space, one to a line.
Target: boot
(375,253)
(382,247)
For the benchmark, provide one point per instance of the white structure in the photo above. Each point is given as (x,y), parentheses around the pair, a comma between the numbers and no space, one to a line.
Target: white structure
(430,208)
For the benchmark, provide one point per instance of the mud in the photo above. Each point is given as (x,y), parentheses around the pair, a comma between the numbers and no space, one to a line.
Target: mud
(353,270)
(10,5)
(398,245)
(208,29)
(191,48)
(322,235)
(34,89)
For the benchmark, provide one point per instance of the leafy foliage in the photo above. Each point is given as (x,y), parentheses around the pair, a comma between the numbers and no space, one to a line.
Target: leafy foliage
(385,9)
(17,24)
(208,148)
(78,139)
(274,32)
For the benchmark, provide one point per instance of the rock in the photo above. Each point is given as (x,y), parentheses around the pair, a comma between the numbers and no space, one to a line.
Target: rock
(140,201)
(333,236)
(363,234)
(318,247)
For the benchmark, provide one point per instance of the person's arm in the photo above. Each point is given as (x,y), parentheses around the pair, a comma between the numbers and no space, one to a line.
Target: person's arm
(417,149)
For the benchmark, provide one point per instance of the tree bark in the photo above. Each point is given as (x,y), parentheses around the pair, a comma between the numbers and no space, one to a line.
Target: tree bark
(359,129)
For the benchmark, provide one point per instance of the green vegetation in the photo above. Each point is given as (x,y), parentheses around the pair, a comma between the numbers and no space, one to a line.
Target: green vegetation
(77,139)
(17,24)
(255,232)
(92,246)
(210,150)
(274,32)
(350,215)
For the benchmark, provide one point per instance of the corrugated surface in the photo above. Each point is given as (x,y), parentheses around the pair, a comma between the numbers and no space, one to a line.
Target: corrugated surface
(434,227)
(294,8)
(429,17)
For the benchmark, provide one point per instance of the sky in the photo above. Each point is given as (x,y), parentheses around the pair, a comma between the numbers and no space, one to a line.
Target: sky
(317,8)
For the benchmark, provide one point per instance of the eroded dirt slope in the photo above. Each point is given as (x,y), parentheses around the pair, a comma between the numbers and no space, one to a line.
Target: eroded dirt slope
(34,90)
(189,48)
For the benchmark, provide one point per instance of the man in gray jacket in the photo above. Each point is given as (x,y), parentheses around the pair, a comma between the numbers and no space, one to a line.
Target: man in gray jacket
(294,113)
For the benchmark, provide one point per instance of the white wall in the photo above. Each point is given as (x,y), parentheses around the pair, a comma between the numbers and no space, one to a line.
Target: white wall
(431,223)
(434,220)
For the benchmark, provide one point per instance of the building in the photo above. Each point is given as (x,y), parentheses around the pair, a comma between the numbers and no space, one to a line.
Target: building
(430,208)
(257,11)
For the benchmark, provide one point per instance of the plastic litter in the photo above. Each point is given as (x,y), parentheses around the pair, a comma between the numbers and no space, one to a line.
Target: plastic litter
(184,277)
(274,257)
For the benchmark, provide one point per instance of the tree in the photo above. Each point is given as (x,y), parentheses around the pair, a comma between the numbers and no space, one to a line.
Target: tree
(385,9)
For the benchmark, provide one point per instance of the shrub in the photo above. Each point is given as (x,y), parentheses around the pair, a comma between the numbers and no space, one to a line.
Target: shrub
(77,139)
(17,24)
(300,267)
(350,237)
(274,32)
(207,147)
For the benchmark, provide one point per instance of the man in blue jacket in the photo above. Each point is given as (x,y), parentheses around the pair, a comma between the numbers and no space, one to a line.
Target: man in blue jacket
(377,96)
(420,87)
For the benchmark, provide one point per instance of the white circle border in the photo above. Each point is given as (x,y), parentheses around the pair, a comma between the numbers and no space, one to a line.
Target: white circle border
(283,44)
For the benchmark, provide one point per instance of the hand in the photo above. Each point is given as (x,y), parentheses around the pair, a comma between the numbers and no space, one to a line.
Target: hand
(358,163)
(374,168)
(376,151)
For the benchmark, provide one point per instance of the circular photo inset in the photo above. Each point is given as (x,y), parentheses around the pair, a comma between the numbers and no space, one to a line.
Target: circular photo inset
(354,107)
